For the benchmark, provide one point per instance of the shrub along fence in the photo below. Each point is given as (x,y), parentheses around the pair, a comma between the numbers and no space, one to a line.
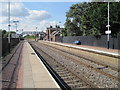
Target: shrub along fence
(5,45)
(93,41)
(0,46)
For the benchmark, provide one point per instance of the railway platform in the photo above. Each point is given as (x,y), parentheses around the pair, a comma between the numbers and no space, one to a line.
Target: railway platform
(30,71)
(33,73)
(110,57)
(101,50)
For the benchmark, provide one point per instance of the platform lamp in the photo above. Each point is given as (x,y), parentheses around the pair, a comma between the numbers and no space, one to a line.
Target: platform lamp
(16,21)
(9,26)
(22,32)
(108,32)
(36,34)
(61,31)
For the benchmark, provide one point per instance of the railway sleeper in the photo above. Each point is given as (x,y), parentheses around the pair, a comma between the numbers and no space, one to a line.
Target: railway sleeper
(68,75)
(65,75)
(78,85)
(60,68)
(73,81)
(62,72)
(66,78)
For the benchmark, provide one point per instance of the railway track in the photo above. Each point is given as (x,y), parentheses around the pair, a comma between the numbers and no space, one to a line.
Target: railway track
(82,55)
(10,68)
(66,75)
(101,73)
(88,63)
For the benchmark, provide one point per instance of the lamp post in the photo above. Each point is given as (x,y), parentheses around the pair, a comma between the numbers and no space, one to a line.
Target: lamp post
(61,32)
(108,32)
(16,25)
(22,32)
(9,26)
(36,34)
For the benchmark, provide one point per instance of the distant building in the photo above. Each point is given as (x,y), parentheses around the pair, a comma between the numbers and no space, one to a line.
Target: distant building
(13,35)
(38,34)
(31,32)
(53,33)
(41,35)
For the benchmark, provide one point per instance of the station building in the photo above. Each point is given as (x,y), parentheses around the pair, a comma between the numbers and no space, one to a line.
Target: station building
(52,34)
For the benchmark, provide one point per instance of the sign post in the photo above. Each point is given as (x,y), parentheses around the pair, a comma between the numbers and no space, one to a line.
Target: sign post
(9,26)
(108,32)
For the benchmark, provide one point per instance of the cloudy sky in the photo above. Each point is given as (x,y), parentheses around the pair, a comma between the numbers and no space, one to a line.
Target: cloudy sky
(34,14)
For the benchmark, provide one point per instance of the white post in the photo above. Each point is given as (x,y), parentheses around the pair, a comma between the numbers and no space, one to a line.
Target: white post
(108,37)
(9,25)
(36,34)
(16,25)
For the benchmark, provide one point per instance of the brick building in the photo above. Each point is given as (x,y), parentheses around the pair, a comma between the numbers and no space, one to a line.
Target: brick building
(53,33)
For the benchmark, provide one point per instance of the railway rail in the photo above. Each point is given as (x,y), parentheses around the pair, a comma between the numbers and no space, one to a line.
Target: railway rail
(92,74)
(10,66)
(86,57)
(101,68)
(65,75)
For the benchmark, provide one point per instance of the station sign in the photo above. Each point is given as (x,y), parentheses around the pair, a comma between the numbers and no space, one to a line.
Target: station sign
(108,32)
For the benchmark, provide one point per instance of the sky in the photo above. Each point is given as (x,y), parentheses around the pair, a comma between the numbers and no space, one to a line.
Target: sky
(34,14)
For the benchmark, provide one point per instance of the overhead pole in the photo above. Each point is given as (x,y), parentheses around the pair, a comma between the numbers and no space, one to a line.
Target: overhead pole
(108,36)
(108,32)
(9,26)
(16,25)
(36,34)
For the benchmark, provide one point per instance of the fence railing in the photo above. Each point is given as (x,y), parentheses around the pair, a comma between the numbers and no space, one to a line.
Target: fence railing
(5,45)
(92,41)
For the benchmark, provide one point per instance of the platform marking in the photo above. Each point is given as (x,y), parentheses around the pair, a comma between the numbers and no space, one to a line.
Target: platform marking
(45,68)
(115,54)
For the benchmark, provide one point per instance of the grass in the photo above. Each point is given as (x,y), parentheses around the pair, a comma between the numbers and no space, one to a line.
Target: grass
(29,37)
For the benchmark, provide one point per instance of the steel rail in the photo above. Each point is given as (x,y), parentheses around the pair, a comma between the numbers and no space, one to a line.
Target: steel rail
(61,83)
(86,58)
(87,65)
(83,78)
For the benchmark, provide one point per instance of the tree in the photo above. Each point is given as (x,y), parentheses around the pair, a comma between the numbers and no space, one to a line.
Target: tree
(3,33)
(73,21)
(91,19)
(96,17)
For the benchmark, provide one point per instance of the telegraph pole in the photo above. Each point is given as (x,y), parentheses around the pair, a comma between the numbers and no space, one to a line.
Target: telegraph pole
(9,26)
(36,34)
(108,32)
(22,32)
(16,25)
(108,39)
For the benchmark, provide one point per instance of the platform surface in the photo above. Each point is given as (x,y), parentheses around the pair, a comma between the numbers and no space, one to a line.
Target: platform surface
(33,73)
(113,52)
(101,55)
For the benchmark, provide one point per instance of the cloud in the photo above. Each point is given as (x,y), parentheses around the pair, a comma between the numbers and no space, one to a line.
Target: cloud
(3,20)
(28,19)
(19,10)
(38,15)
(16,9)
(47,0)
(45,23)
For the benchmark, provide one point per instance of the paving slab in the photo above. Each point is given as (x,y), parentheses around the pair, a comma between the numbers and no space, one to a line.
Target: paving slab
(35,74)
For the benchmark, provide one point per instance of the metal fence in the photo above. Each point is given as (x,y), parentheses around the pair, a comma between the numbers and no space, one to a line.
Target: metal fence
(5,45)
(93,41)
(0,44)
